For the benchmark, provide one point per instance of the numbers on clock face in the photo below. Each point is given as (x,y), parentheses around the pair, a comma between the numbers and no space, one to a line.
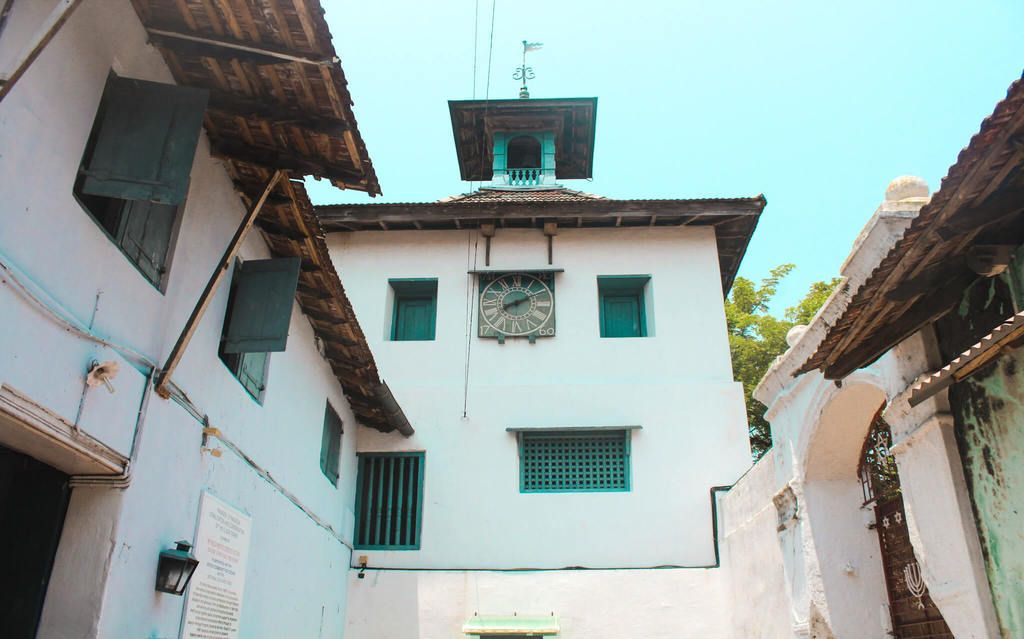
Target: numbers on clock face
(517,304)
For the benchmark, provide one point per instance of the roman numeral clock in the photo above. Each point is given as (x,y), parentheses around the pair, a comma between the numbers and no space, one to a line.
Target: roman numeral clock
(516,304)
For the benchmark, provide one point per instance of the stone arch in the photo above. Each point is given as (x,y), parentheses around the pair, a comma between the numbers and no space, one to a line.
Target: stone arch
(848,583)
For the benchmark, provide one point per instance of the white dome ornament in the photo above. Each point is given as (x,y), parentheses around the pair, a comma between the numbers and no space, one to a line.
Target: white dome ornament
(795,333)
(906,187)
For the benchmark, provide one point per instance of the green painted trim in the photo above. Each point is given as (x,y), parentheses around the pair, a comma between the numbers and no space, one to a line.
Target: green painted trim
(622,286)
(566,429)
(544,269)
(360,481)
(409,289)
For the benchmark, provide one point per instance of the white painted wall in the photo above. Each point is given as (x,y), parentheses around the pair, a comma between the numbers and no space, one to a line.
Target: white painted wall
(818,428)
(752,556)
(676,384)
(653,604)
(102,583)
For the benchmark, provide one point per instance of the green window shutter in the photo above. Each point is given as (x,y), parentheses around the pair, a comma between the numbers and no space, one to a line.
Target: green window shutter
(330,445)
(389,500)
(621,316)
(621,305)
(144,141)
(415,313)
(252,369)
(146,235)
(415,319)
(264,291)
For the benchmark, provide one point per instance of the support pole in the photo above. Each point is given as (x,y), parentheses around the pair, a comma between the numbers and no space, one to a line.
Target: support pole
(211,287)
(551,230)
(42,37)
(487,230)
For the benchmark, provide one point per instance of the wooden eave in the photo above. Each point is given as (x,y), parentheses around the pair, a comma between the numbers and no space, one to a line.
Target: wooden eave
(279,98)
(734,219)
(279,101)
(924,276)
(290,229)
(572,119)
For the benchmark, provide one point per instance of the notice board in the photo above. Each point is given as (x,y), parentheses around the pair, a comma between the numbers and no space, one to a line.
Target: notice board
(213,606)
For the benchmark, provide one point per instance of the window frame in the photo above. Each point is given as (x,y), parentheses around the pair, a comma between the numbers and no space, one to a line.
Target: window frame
(622,286)
(100,207)
(413,289)
(522,434)
(359,505)
(235,362)
(333,440)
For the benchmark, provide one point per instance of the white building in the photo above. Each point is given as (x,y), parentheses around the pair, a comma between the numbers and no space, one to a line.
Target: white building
(121,196)
(565,471)
(891,503)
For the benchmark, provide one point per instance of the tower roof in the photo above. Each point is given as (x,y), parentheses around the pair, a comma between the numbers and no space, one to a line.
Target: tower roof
(572,119)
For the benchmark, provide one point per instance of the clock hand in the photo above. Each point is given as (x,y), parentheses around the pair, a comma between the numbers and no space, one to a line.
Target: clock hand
(513,303)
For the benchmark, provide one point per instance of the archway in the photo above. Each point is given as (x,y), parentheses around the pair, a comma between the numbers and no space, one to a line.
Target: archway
(848,585)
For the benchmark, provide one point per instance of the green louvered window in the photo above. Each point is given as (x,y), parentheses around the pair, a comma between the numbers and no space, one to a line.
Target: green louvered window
(330,445)
(415,310)
(622,310)
(257,317)
(135,171)
(584,461)
(389,500)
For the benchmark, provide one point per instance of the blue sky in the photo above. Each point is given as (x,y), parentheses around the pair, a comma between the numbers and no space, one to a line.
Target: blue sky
(817,105)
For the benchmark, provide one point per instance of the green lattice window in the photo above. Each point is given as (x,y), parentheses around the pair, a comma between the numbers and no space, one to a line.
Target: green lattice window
(389,500)
(583,461)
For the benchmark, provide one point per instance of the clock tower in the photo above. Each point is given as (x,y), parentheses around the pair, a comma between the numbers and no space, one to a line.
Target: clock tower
(591,442)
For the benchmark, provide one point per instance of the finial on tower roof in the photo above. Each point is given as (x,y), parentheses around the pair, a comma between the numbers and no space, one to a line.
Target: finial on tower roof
(524,72)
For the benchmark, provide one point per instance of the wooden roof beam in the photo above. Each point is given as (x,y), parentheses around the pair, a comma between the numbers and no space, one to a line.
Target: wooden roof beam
(191,44)
(274,159)
(233,105)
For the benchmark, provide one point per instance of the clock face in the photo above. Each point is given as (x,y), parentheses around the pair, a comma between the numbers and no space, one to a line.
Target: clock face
(517,304)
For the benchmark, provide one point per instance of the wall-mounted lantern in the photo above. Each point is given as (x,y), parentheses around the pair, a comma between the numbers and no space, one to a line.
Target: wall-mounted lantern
(175,568)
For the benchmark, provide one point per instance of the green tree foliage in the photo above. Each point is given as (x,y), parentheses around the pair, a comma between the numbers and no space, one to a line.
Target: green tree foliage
(756,338)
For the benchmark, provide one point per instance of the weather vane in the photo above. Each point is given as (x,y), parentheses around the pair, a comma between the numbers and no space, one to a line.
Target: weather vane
(524,72)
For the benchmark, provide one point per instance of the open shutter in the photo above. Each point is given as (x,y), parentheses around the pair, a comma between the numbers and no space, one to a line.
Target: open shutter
(262,305)
(330,446)
(145,141)
(147,235)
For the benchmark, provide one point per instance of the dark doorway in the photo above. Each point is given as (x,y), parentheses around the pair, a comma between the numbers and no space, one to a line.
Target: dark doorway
(523,153)
(914,614)
(33,502)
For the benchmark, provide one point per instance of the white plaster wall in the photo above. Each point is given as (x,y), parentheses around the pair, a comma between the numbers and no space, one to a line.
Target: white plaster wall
(653,604)
(676,385)
(752,557)
(102,583)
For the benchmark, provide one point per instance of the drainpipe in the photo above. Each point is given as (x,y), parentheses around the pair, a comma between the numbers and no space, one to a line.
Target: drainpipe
(393,412)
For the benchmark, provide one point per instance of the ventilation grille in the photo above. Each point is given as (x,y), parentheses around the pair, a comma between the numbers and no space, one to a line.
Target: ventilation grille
(561,462)
(389,501)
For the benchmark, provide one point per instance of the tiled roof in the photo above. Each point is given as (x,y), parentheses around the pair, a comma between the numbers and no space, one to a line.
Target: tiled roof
(981,191)
(733,219)
(538,195)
